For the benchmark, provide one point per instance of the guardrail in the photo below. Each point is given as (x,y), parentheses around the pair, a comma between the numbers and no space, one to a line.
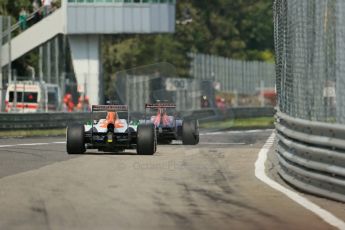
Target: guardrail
(23,121)
(9,121)
(312,156)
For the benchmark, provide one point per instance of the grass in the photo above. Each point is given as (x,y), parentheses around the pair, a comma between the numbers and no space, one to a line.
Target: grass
(257,122)
(32,133)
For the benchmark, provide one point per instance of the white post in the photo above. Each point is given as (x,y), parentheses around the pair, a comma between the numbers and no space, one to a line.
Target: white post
(63,87)
(236,98)
(56,59)
(40,64)
(85,92)
(262,88)
(46,97)
(9,38)
(48,59)
(22,99)
(15,92)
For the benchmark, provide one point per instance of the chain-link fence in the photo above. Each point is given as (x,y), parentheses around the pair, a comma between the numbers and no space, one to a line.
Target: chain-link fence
(241,83)
(310,58)
(310,66)
(159,83)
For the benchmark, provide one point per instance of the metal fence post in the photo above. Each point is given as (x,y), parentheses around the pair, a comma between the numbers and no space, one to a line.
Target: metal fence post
(1,79)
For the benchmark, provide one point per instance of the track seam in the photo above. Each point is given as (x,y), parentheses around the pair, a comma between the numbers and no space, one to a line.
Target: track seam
(31,144)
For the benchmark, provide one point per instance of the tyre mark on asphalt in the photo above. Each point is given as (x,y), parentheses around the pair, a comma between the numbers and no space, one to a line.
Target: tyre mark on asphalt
(225,198)
(40,208)
(223,181)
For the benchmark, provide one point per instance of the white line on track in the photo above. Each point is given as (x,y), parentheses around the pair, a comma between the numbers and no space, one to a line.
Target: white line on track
(31,144)
(221,143)
(261,175)
(237,132)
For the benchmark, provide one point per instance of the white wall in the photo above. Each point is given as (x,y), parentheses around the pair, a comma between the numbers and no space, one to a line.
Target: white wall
(112,18)
(85,52)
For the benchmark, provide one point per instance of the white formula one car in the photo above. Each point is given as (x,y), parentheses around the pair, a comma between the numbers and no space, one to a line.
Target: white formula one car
(110,133)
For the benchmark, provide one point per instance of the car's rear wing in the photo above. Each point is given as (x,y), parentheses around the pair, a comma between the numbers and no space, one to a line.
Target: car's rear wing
(110,108)
(160,105)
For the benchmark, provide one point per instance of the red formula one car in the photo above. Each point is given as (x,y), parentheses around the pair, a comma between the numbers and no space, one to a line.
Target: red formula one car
(171,127)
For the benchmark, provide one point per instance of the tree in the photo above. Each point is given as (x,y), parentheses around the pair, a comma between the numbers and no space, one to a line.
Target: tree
(240,29)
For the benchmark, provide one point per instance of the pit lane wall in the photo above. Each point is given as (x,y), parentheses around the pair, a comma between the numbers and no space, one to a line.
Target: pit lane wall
(26,121)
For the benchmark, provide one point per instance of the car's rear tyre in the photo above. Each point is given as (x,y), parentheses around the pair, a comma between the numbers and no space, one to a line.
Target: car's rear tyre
(190,132)
(146,139)
(75,139)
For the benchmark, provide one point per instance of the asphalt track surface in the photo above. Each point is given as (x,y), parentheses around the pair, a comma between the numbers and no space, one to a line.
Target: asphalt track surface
(208,186)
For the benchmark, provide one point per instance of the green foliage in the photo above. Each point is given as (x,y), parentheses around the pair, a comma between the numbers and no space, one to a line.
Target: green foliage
(10,7)
(240,29)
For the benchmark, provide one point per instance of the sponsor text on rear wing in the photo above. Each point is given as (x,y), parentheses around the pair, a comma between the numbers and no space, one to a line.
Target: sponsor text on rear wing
(110,108)
(160,105)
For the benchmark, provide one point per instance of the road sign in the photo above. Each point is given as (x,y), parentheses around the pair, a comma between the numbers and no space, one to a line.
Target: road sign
(174,84)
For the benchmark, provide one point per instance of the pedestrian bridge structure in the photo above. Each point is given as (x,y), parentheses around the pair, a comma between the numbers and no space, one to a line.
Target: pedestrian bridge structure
(84,22)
